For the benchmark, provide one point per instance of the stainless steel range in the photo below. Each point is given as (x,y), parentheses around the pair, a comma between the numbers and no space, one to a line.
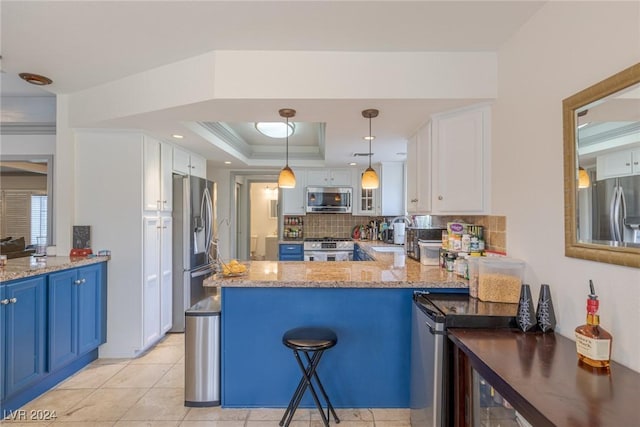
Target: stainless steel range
(328,249)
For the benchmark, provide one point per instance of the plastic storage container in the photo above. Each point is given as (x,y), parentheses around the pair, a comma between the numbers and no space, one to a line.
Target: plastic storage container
(473,266)
(429,253)
(499,279)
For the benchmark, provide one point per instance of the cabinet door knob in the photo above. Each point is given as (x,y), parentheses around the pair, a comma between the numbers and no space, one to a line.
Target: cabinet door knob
(628,164)
(4,301)
(414,200)
(440,197)
(13,300)
(77,282)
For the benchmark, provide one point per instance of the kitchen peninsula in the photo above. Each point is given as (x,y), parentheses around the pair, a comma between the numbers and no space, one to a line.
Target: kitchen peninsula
(367,303)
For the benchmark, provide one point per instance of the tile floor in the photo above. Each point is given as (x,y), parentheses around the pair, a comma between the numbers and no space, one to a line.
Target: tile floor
(149,391)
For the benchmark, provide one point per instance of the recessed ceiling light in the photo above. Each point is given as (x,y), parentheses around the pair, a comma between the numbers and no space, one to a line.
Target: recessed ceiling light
(275,129)
(352,164)
(227,162)
(367,138)
(35,79)
(176,136)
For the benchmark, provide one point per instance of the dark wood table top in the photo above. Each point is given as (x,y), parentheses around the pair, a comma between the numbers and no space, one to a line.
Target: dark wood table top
(540,376)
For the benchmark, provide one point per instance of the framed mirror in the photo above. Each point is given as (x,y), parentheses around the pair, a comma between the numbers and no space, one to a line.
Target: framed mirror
(602,170)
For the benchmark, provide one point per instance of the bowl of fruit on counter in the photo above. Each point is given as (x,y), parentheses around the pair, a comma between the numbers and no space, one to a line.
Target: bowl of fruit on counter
(233,268)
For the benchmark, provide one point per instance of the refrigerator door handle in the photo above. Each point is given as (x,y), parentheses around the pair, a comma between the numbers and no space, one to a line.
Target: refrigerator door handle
(622,214)
(612,218)
(203,271)
(208,221)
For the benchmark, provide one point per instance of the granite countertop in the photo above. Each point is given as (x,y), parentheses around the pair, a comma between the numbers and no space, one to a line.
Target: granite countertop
(19,268)
(387,270)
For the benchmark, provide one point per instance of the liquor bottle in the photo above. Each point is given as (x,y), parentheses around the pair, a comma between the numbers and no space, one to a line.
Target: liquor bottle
(593,343)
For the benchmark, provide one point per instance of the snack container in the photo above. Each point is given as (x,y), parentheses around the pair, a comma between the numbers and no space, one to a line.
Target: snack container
(499,279)
(473,265)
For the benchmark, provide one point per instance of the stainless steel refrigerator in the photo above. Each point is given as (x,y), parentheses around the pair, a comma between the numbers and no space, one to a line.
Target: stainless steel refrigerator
(193,237)
(616,211)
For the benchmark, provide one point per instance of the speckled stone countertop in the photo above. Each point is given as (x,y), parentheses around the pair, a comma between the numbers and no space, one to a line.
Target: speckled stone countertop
(388,270)
(18,268)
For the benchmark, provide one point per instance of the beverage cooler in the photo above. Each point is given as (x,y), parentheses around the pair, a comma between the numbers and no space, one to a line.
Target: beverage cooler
(489,408)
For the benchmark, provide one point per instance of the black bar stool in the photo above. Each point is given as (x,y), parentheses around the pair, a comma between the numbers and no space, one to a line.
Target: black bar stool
(312,342)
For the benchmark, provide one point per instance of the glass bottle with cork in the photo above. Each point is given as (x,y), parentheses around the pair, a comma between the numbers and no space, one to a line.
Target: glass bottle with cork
(593,343)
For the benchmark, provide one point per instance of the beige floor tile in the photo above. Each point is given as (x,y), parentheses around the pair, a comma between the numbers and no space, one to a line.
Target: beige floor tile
(137,376)
(393,423)
(110,361)
(318,423)
(107,404)
(54,403)
(24,424)
(174,378)
(154,423)
(172,339)
(347,415)
(93,376)
(275,424)
(83,424)
(213,423)
(158,404)
(160,354)
(216,413)
(390,414)
(275,414)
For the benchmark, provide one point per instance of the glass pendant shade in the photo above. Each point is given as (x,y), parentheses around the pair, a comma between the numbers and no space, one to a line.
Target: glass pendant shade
(370,179)
(286,179)
(583,178)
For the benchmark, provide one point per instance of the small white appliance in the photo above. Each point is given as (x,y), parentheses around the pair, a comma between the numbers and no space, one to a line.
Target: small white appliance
(398,233)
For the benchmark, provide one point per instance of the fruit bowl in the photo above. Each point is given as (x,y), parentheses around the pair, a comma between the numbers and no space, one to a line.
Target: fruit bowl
(233,268)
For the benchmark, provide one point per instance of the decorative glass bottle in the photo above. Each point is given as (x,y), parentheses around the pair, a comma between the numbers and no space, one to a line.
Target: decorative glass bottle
(593,343)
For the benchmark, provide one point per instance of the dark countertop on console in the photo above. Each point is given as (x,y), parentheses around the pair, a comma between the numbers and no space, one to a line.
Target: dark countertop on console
(540,376)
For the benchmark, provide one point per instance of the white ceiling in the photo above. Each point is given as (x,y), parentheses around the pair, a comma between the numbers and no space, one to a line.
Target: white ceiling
(86,43)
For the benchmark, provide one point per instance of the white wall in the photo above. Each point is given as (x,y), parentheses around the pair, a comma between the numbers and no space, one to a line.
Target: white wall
(564,48)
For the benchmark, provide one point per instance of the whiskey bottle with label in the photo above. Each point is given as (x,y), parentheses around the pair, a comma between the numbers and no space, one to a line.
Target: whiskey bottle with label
(593,343)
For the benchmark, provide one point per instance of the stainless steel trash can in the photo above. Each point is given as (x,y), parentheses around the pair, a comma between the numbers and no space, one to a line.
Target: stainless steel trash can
(202,353)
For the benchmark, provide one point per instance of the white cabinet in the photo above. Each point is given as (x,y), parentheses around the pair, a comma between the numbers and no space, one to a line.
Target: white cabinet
(186,163)
(448,164)
(460,166)
(292,199)
(157,166)
(329,177)
(419,171)
(140,270)
(388,198)
(618,164)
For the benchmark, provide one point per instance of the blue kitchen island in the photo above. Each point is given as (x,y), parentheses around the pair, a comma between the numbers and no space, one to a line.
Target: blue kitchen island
(368,305)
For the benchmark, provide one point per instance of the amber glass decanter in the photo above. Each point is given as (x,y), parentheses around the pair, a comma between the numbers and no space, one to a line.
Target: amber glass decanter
(593,343)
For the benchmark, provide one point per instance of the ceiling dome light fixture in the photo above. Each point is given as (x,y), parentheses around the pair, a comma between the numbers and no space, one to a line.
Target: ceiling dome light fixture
(370,179)
(35,79)
(275,129)
(287,178)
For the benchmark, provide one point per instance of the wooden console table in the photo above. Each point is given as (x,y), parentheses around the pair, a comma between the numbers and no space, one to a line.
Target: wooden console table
(540,376)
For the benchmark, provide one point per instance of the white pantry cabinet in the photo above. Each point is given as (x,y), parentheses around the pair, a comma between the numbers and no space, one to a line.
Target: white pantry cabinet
(157,166)
(110,173)
(292,199)
(330,177)
(186,163)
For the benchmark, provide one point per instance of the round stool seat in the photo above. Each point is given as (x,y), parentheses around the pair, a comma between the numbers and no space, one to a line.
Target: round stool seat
(309,338)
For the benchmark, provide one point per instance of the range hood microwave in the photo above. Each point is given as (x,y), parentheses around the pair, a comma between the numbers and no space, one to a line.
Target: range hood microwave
(329,199)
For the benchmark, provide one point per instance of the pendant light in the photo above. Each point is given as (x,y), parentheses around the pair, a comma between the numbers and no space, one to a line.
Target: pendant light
(287,178)
(370,179)
(583,178)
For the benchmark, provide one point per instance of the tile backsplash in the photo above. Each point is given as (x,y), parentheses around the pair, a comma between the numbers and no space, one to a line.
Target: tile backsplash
(341,225)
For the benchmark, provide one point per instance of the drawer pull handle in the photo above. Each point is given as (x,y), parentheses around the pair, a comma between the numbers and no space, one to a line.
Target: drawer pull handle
(13,300)
(4,301)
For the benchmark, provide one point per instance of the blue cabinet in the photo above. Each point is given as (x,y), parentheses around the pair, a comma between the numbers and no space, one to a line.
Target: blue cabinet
(75,313)
(22,333)
(50,327)
(291,252)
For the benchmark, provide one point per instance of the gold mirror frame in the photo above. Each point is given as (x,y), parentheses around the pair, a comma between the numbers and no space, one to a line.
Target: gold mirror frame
(629,257)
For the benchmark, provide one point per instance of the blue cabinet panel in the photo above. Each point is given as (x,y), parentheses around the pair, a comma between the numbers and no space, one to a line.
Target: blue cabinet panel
(63,318)
(291,252)
(89,308)
(369,367)
(25,333)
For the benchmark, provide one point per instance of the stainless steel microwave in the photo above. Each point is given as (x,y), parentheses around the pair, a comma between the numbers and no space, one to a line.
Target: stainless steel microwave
(329,199)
